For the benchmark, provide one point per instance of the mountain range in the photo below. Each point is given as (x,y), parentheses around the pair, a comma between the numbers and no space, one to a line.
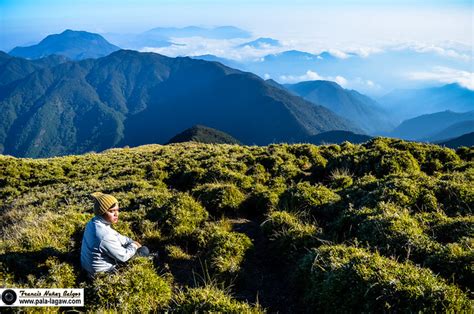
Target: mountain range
(75,45)
(430,126)
(406,104)
(350,104)
(361,71)
(132,98)
(12,69)
(463,140)
(452,131)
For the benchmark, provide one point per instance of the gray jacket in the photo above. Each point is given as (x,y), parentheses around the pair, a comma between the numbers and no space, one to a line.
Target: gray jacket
(102,247)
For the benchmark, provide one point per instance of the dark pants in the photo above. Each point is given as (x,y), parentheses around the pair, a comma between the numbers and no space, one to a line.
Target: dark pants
(143,251)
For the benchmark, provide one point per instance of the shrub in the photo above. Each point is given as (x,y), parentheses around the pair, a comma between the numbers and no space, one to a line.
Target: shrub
(210,300)
(149,231)
(455,261)
(225,250)
(396,162)
(452,229)
(466,153)
(311,153)
(60,275)
(184,175)
(219,198)
(456,194)
(218,173)
(390,229)
(35,232)
(155,171)
(258,173)
(180,216)
(136,195)
(289,234)
(376,284)
(306,197)
(432,158)
(413,191)
(136,287)
(177,253)
(340,179)
(290,171)
(378,158)
(270,162)
(259,201)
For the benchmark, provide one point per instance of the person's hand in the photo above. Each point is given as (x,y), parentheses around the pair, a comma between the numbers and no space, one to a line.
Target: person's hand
(137,244)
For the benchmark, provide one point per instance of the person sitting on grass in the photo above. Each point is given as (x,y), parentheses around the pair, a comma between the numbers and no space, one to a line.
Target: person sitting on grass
(103,248)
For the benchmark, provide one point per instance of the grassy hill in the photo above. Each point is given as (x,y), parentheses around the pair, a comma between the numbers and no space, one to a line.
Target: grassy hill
(203,134)
(337,137)
(384,226)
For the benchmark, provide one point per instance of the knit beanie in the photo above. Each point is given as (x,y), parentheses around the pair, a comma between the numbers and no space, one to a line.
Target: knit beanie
(103,202)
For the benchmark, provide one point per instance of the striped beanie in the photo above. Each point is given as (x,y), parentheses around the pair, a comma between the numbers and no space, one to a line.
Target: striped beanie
(103,202)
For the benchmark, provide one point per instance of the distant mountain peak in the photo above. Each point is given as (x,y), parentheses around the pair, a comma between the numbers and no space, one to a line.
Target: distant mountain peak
(338,137)
(261,43)
(326,55)
(72,44)
(203,134)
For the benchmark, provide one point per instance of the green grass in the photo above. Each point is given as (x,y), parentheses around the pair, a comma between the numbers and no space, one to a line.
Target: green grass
(285,227)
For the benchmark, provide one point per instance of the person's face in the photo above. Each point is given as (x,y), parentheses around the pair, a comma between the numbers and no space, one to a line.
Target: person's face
(112,214)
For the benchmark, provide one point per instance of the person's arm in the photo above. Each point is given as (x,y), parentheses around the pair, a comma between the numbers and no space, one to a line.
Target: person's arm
(113,247)
(126,241)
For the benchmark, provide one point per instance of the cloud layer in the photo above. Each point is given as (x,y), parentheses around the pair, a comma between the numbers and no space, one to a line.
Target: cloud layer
(445,75)
(197,46)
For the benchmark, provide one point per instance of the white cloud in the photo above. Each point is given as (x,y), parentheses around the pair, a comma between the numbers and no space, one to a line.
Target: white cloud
(312,76)
(445,75)
(361,84)
(356,83)
(308,76)
(196,46)
(447,49)
(366,51)
(341,81)
(338,53)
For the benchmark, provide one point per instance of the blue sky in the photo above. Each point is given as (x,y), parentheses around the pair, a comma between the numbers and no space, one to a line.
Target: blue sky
(336,22)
